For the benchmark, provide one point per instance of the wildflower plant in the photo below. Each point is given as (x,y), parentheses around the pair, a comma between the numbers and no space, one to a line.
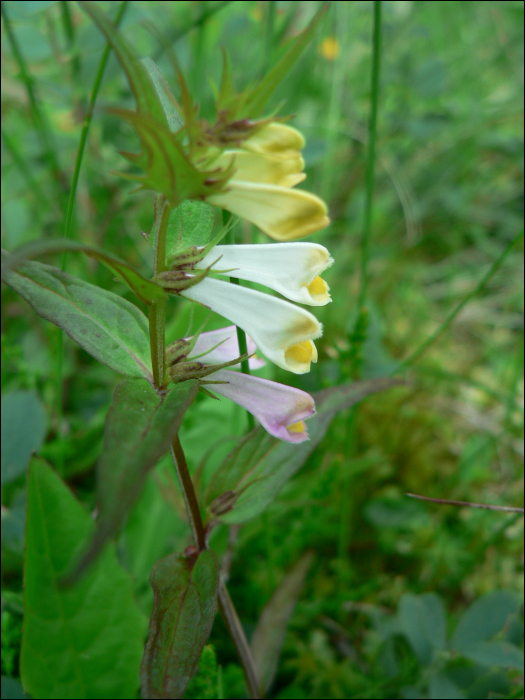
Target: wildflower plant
(249,165)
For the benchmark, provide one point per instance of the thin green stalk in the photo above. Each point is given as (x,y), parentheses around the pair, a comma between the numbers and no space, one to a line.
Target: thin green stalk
(157,312)
(271,13)
(371,155)
(38,119)
(226,607)
(447,322)
(72,193)
(241,335)
(69,30)
(178,34)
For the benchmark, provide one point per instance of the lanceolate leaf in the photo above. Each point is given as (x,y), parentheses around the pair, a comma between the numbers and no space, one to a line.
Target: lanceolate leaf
(254,472)
(148,291)
(185,603)
(268,638)
(257,99)
(80,642)
(107,326)
(164,94)
(140,426)
(139,82)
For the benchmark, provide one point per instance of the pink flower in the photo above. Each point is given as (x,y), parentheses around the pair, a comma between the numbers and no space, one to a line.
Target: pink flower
(280,409)
(226,351)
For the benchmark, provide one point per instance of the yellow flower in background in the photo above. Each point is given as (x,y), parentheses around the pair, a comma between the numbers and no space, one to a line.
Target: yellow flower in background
(329,48)
(267,166)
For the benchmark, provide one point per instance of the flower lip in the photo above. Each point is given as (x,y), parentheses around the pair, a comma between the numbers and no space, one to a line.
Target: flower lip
(280,409)
(292,269)
(282,331)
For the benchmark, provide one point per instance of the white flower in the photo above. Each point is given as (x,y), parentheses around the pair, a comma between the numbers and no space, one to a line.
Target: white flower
(292,269)
(283,332)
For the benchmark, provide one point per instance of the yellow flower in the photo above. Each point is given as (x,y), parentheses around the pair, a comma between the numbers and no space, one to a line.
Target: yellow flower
(268,165)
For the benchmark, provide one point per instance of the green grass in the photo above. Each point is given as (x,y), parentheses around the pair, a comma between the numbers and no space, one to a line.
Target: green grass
(447,204)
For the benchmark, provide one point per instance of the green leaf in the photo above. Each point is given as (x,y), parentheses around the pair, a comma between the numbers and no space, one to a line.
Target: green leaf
(148,291)
(495,654)
(190,225)
(441,687)
(140,426)
(185,602)
(484,618)
(107,326)
(164,94)
(167,169)
(257,99)
(410,617)
(24,426)
(139,82)
(254,472)
(268,638)
(81,642)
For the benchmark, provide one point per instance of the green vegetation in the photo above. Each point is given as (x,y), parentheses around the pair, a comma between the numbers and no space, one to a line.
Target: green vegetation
(366,592)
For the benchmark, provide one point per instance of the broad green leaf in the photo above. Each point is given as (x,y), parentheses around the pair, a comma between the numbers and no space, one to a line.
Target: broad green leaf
(484,618)
(441,687)
(23,431)
(148,291)
(139,82)
(495,653)
(185,602)
(434,620)
(190,225)
(268,638)
(140,426)
(107,326)
(79,642)
(164,95)
(410,617)
(254,472)
(257,99)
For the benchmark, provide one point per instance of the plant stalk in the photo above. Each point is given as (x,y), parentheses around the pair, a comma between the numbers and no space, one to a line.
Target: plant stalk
(372,136)
(226,607)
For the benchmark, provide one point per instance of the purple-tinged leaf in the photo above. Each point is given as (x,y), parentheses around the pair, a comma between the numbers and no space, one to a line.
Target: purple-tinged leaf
(147,291)
(254,472)
(140,426)
(184,606)
(108,327)
(268,638)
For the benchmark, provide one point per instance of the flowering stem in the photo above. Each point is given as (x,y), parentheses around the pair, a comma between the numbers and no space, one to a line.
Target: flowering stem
(226,607)
(372,133)
(157,311)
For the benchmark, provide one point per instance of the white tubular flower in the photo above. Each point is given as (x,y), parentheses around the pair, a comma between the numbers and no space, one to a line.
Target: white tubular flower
(226,351)
(283,332)
(267,166)
(280,409)
(292,269)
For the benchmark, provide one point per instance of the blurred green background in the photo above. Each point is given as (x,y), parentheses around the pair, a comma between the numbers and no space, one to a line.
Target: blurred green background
(449,200)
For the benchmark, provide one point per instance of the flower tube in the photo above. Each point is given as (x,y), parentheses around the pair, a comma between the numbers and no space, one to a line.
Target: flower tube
(292,269)
(282,213)
(283,332)
(280,409)
(226,351)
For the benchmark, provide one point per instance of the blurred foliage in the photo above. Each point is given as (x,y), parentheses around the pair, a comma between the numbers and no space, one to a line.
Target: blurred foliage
(449,198)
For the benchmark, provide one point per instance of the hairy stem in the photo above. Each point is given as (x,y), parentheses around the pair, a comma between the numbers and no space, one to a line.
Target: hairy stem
(226,607)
